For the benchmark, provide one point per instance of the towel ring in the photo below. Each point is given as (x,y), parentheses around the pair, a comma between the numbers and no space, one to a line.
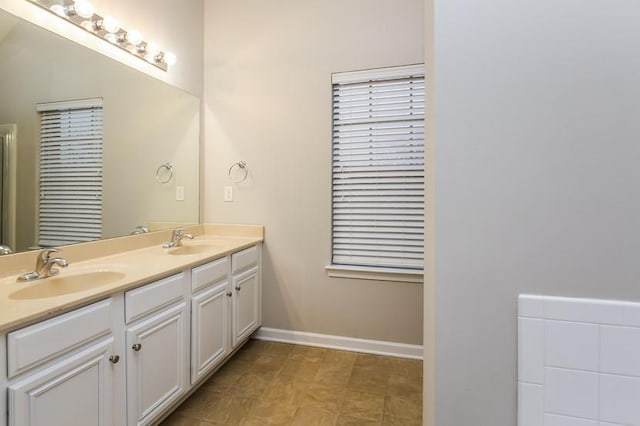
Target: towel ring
(242,166)
(164,173)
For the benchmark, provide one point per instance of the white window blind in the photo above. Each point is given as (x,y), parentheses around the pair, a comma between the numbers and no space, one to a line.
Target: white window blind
(378,168)
(70,208)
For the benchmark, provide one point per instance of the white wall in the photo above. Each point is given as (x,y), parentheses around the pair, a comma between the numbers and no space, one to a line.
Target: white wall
(537,179)
(267,100)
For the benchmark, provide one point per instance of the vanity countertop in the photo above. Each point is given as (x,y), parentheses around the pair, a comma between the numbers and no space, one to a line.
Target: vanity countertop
(131,266)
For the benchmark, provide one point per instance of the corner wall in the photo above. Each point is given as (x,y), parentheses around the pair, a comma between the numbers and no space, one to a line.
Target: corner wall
(537,179)
(268,102)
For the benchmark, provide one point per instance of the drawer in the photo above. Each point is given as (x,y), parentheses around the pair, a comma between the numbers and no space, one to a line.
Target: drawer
(31,346)
(151,297)
(211,273)
(244,259)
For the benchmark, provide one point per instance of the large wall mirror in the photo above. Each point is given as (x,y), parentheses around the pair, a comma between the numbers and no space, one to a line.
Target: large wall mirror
(147,125)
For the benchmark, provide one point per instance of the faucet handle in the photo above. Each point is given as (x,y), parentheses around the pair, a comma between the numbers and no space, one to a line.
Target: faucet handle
(46,253)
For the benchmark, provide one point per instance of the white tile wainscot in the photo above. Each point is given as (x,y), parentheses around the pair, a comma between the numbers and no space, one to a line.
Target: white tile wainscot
(578,362)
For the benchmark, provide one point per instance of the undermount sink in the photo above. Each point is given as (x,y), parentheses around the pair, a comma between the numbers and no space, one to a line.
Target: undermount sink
(66,284)
(192,249)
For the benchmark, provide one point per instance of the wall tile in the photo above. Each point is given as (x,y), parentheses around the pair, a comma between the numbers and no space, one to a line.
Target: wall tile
(531,306)
(530,404)
(571,393)
(571,345)
(570,309)
(620,350)
(531,350)
(619,399)
(555,420)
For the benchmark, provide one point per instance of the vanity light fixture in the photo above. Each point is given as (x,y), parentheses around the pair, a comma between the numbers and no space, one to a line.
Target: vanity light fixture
(82,14)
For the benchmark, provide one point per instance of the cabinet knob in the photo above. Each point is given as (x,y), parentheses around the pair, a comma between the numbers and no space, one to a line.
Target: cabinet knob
(238,288)
(136,347)
(114,359)
(229,294)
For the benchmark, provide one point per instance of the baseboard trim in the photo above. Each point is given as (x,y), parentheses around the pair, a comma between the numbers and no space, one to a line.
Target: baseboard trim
(353,344)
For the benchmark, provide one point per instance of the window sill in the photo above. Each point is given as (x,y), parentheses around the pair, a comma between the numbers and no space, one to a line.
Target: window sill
(378,274)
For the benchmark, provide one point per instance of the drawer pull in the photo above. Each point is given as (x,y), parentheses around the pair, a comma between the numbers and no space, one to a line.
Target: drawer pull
(114,359)
(238,288)
(136,347)
(229,294)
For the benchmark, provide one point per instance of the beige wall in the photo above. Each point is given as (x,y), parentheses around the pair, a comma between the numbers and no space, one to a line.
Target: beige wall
(267,100)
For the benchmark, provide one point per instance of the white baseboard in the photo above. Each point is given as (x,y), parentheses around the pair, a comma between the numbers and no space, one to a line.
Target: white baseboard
(353,344)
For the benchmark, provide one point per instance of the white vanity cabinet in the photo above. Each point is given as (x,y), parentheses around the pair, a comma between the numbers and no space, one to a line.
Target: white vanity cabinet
(157,340)
(131,358)
(246,293)
(65,368)
(210,318)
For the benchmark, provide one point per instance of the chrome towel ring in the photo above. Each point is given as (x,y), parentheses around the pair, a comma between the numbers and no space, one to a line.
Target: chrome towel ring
(241,165)
(164,173)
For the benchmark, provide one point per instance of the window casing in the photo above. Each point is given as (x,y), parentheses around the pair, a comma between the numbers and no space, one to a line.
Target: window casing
(378,170)
(70,205)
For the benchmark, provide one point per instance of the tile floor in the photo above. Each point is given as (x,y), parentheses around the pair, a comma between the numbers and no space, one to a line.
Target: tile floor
(269,383)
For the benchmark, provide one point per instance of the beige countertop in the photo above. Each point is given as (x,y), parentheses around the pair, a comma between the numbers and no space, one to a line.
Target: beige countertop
(139,259)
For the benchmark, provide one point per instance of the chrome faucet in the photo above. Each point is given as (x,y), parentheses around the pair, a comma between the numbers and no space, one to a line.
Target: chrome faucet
(140,229)
(45,266)
(5,250)
(176,238)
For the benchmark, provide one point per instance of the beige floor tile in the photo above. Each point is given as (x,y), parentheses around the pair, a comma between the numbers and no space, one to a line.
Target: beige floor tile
(408,387)
(324,397)
(307,353)
(300,368)
(402,409)
(340,357)
(333,374)
(395,421)
(353,421)
(176,419)
(287,389)
(362,405)
(306,416)
(196,405)
(267,364)
(369,380)
(265,412)
(268,383)
(227,409)
(406,367)
(251,385)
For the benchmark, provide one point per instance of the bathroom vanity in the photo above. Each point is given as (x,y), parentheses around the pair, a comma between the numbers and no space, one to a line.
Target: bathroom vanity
(147,329)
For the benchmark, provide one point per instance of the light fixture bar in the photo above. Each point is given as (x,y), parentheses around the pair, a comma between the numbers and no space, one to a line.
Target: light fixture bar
(81,14)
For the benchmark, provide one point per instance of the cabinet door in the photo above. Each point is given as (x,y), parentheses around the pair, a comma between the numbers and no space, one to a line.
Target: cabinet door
(246,304)
(77,390)
(209,329)
(157,363)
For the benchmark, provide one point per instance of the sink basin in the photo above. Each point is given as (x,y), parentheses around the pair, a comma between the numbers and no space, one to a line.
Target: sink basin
(193,249)
(66,284)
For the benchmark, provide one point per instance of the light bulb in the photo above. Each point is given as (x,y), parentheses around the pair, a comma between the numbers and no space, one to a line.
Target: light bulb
(152,49)
(134,37)
(110,25)
(170,58)
(84,8)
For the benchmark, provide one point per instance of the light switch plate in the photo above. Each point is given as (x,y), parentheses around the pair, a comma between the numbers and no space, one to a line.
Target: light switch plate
(228,194)
(179,193)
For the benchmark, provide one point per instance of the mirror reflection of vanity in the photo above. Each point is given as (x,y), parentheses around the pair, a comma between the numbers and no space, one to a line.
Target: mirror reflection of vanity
(146,124)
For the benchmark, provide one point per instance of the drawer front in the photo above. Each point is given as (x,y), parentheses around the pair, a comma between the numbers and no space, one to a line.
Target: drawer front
(244,259)
(151,297)
(31,346)
(211,273)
